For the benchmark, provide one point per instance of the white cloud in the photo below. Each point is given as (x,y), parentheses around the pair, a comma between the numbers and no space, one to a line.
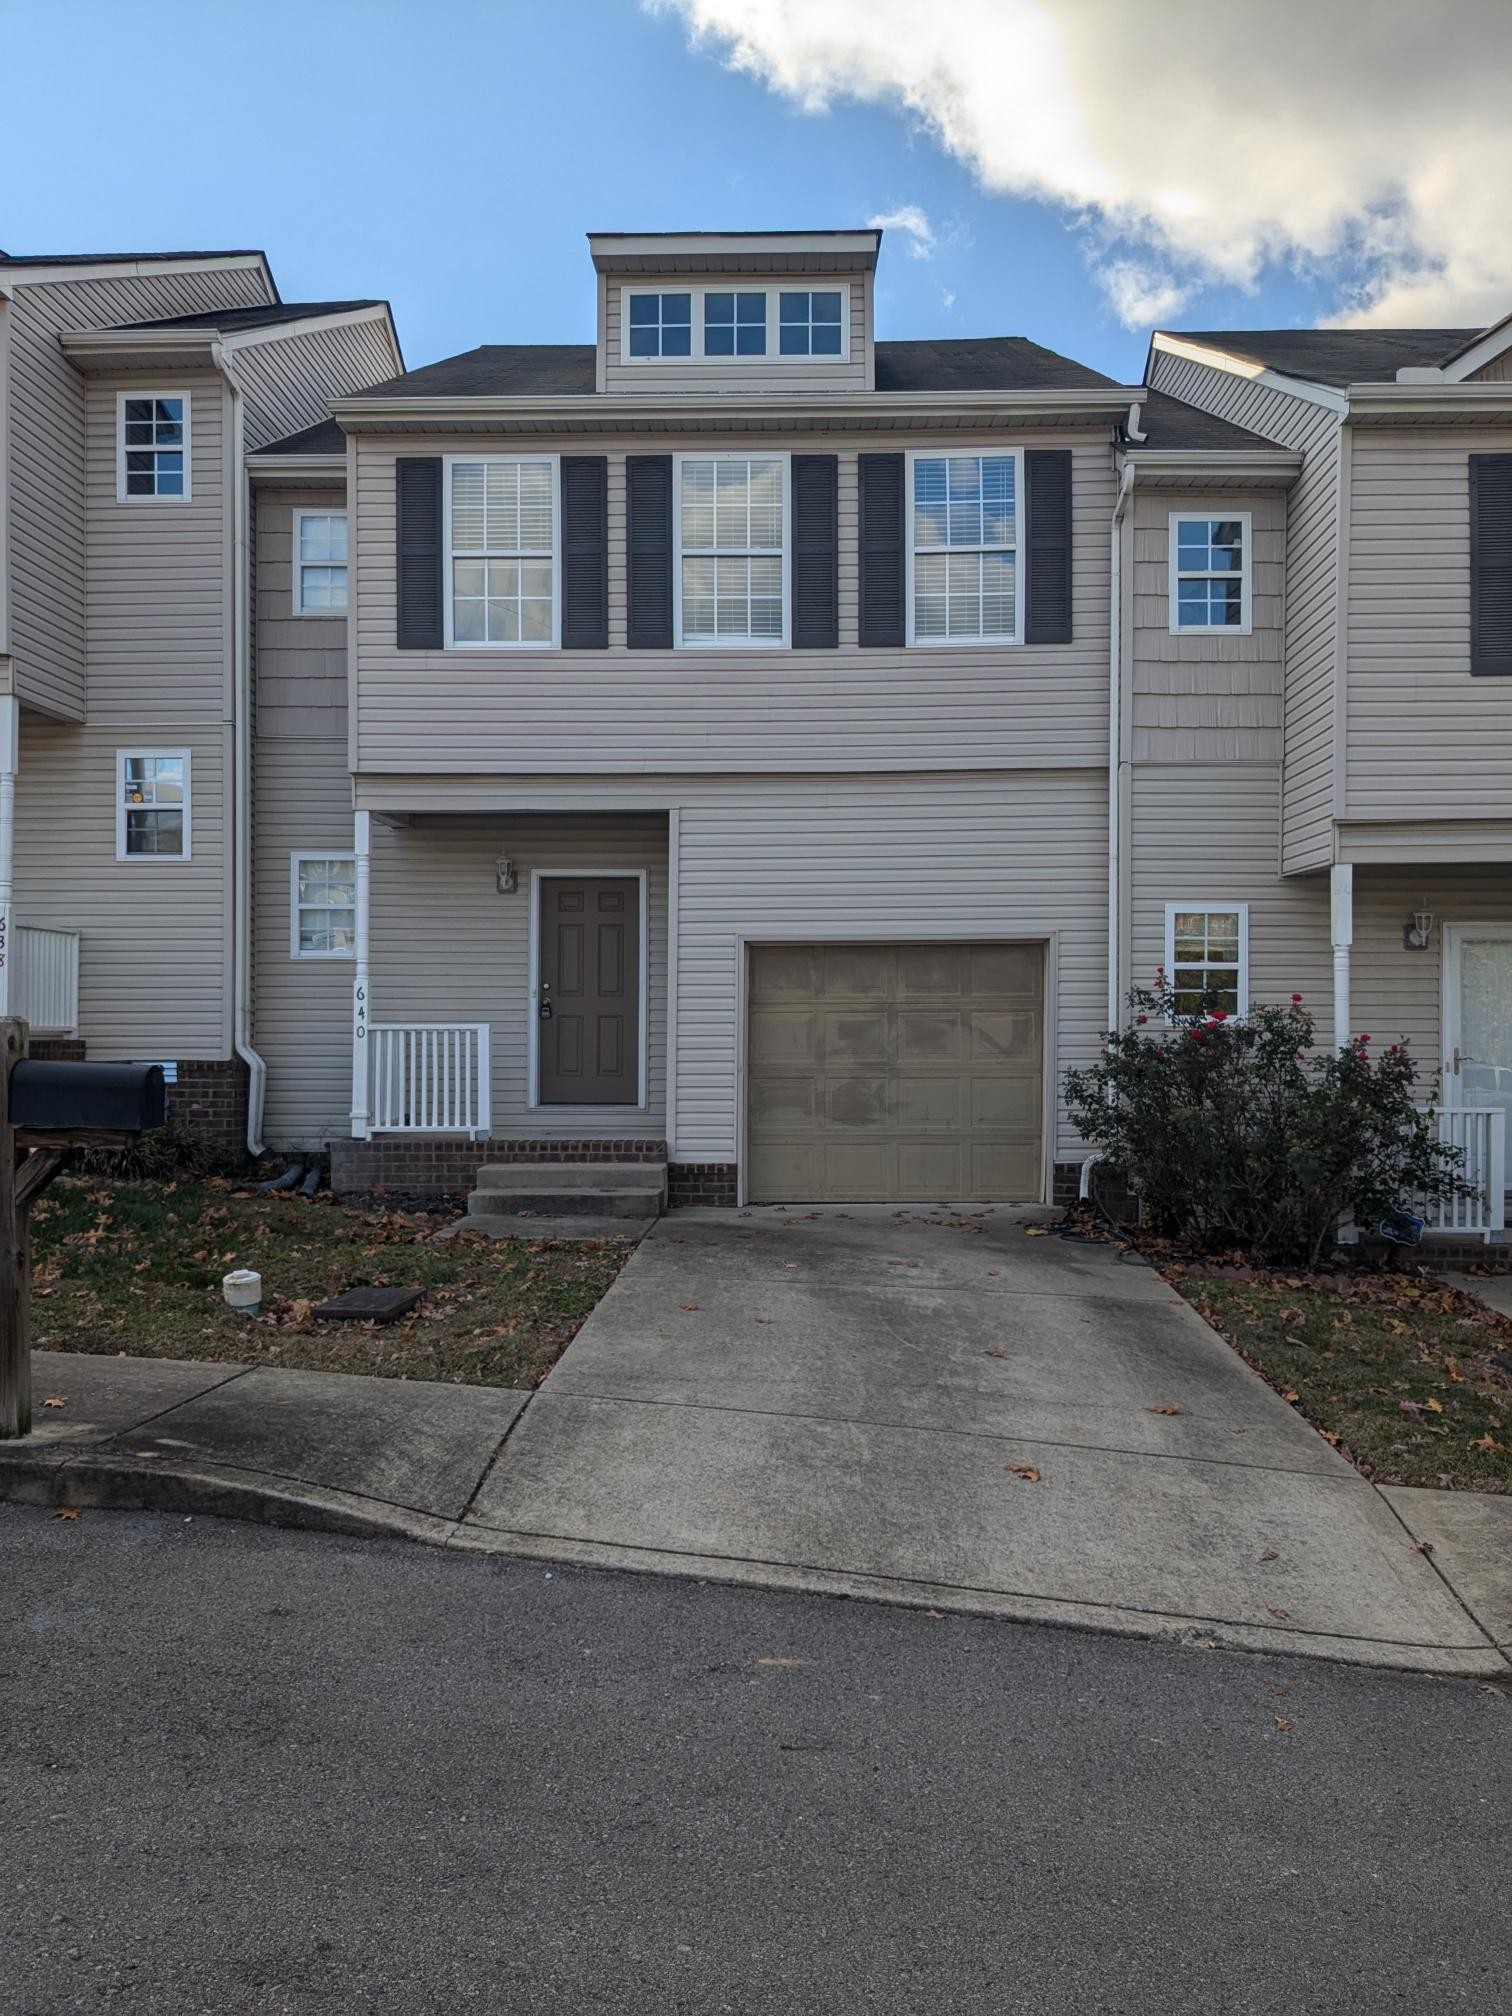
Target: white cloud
(947,299)
(1370,143)
(915,226)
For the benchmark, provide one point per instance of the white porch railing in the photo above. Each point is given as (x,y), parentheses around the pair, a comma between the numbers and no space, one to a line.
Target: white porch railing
(1481,1131)
(45,979)
(429,1078)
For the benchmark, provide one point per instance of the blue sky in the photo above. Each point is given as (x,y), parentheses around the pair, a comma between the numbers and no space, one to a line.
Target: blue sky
(451,155)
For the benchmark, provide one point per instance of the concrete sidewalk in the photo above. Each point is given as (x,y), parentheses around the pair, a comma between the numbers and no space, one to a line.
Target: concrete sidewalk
(842,1402)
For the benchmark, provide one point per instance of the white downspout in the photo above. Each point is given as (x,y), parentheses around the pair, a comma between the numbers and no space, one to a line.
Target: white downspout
(1116,763)
(1341,922)
(241,736)
(10,756)
(362,1075)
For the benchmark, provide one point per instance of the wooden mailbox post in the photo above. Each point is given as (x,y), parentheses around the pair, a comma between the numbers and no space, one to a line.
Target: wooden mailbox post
(46,1112)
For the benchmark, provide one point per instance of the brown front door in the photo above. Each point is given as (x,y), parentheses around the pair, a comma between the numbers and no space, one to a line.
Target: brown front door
(589,1006)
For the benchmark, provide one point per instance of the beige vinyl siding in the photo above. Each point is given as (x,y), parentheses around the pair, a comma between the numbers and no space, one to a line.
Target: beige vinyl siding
(1312,540)
(301,661)
(447,947)
(1205,698)
(1397,995)
(738,374)
(302,802)
(154,956)
(1497,372)
(969,707)
(1441,842)
(1209,834)
(302,1011)
(289,381)
(889,858)
(45,509)
(1426,740)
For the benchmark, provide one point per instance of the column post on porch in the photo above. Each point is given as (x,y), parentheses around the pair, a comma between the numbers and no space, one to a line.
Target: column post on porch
(10,746)
(1341,919)
(362,1076)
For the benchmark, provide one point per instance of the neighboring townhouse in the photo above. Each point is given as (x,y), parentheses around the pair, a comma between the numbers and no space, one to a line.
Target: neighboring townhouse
(131,387)
(1365,818)
(741,744)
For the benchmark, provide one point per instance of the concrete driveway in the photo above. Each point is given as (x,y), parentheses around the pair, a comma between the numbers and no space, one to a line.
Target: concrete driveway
(837,1400)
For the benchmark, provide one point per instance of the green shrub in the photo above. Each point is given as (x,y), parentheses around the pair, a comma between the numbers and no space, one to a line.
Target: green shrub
(1240,1134)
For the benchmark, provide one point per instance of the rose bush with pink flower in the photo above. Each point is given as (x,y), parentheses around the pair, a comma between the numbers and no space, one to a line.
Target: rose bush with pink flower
(1248,1136)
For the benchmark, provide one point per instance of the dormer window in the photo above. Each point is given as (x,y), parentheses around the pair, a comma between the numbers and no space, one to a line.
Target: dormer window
(661,325)
(809,324)
(735,325)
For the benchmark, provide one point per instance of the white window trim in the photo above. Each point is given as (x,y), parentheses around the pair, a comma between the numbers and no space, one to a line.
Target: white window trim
(297,588)
(151,860)
(296,950)
(1207,904)
(1173,574)
(525,644)
(737,285)
(781,643)
(997,643)
(153,392)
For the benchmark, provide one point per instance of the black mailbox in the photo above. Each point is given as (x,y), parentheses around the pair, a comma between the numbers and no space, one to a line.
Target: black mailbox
(73,1098)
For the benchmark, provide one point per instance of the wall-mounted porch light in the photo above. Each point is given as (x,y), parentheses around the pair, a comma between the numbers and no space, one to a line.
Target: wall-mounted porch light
(506,881)
(1417,933)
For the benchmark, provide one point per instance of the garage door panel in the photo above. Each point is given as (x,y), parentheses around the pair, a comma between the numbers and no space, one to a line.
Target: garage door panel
(895,1072)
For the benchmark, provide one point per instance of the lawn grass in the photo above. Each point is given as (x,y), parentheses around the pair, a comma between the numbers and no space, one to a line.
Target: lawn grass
(1398,1373)
(136,1268)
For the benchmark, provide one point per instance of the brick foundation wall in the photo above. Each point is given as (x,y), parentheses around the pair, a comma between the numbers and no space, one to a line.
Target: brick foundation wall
(57,1049)
(1113,1193)
(701,1183)
(419,1166)
(211,1097)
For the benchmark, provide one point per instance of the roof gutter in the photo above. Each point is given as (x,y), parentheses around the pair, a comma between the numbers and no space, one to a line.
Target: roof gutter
(1445,400)
(241,736)
(1081,402)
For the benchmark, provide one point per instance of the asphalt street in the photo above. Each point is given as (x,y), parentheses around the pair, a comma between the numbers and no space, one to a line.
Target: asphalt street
(245,1771)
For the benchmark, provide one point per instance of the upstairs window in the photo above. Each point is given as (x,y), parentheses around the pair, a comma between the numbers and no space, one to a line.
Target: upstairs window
(320,563)
(1209,582)
(152,445)
(1207,957)
(735,325)
(152,804)
(732,562)
(809,325)
(964,549)
(501,519)
(322,906)
(661,325)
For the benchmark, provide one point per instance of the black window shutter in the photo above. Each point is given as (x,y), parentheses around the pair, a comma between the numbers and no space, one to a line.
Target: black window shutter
(882,564)
(816,552)
(1491,566)
(585,552)
(1047,556)
(417,499)
(648,538)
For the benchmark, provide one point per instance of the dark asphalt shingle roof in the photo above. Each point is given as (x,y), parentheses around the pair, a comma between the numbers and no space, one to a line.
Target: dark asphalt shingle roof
(1336,357)
(1007,363)
(1169,424)
(324,438)
(252,318)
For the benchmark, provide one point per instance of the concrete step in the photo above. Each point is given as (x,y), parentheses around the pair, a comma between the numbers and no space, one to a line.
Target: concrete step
(536,1225)
(523,1179)
(543,1199)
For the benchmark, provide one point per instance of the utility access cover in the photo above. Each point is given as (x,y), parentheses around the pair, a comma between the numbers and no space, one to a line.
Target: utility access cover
(368,1305)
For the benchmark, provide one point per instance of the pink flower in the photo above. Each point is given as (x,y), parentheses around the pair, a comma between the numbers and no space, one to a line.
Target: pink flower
(1218,1015)
(1141,1020)
(1296,1000)
(1198,1035)
(1363,1041)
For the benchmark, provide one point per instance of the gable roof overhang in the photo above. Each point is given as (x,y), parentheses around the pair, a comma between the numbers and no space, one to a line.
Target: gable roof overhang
(34,269)
(1245,367)
(632,252)
(736,412)
(194,344)
(1434,403)
(1475,356)
(1212,468)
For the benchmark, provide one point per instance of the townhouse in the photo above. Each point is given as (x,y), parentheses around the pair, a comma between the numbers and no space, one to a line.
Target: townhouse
(743,743)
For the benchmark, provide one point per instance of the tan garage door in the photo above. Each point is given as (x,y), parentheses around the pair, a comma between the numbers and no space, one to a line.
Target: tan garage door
(907,1072)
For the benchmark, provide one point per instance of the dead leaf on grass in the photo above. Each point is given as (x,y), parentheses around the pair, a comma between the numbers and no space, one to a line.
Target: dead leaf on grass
(1451,1366)
(1170,1407)
(1434,1406)
(1488,1443)
(66,1512)
(1025,1471)
(1291,1315)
